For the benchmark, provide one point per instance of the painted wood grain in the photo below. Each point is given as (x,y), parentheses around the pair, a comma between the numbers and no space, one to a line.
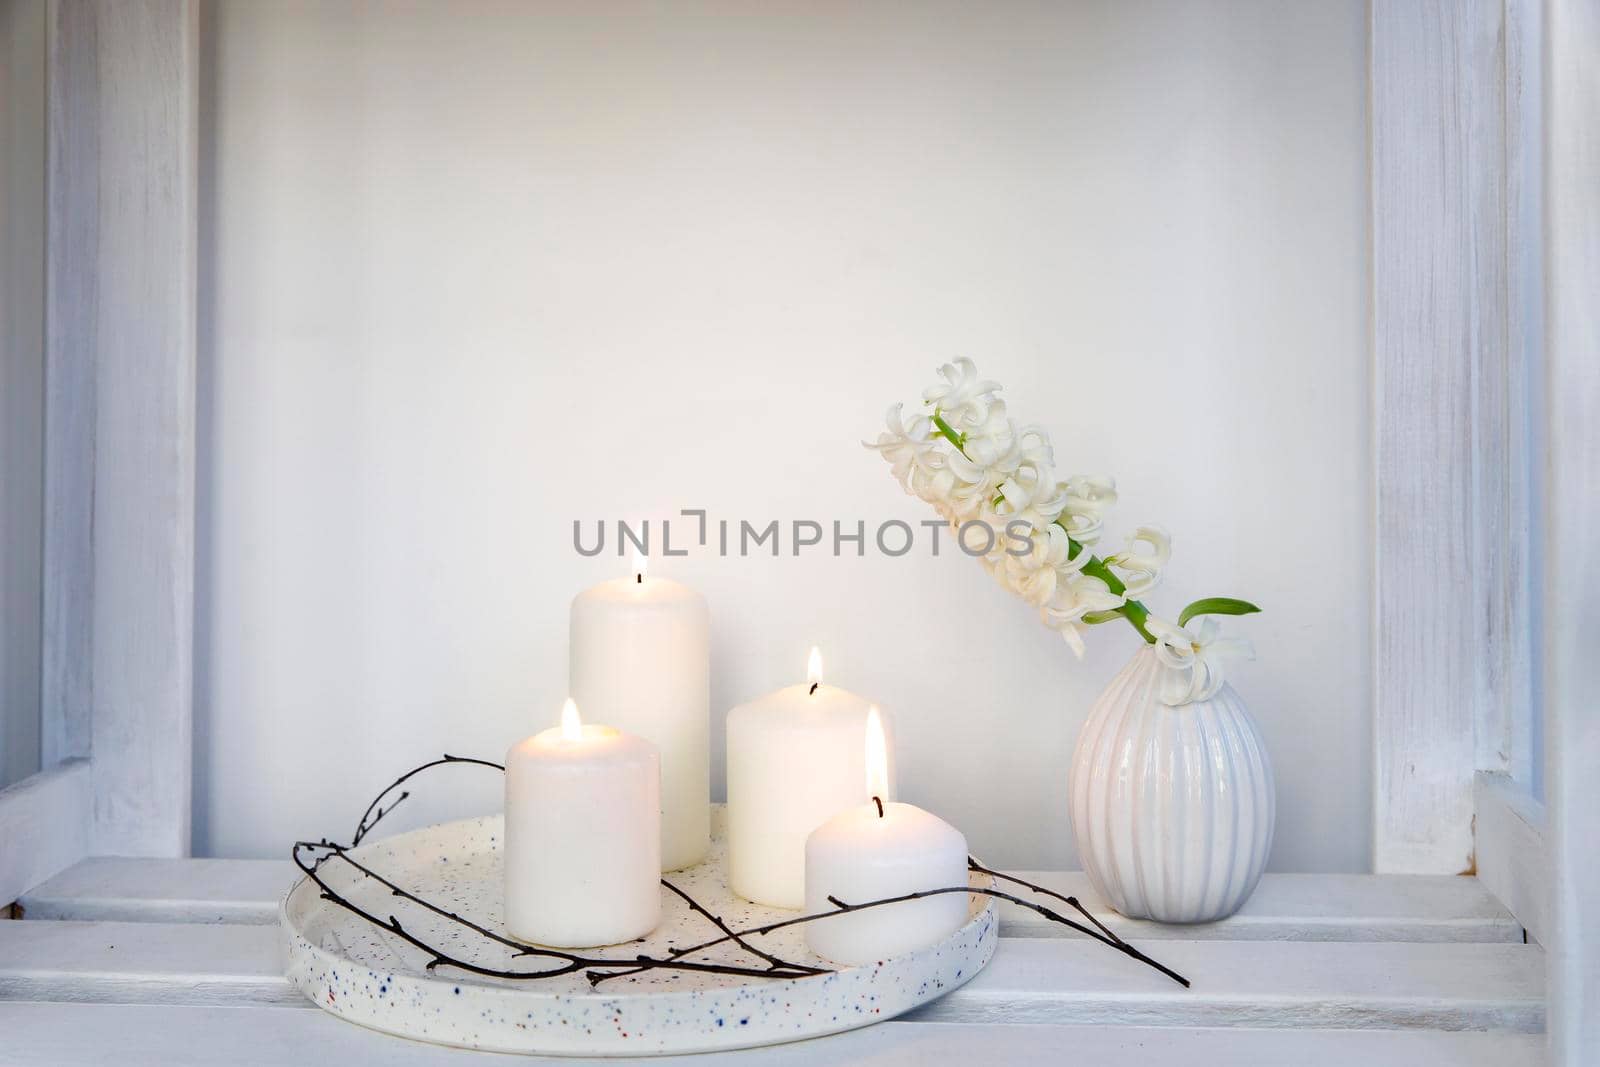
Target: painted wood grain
(1507,741)
(143,963)
(24,52)
(121,411)
(1450,615)
(71,342)
(1285,907)
(1259,984)
(44,826)
(1308,907)
(1244,984)
(1513,862)
(1572,541)
(127,889)
(86,1035)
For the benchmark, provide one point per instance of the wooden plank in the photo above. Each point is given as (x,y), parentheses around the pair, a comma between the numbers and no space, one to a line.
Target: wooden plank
(1307,907)
(1254,984)
(1507,741)
(1450,609)
(1285,907)
(23,50)
(1572,548)
(1259,984)
(82,1035)
(1513,863)
(143,963)
(44,826)
(71,341)
(125,889)
(123,118)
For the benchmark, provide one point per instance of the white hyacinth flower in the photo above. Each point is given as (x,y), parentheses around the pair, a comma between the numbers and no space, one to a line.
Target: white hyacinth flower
(905,443)
(973,464)
(1193,659)
(990,440)
(1089,497)
(963,399)
(1072,633)
(1077,595)
(1142,568)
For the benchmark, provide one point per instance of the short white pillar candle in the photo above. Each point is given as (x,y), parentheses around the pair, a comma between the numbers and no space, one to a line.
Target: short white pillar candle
(877,851)
(583,836)
(641,661)
(795,759)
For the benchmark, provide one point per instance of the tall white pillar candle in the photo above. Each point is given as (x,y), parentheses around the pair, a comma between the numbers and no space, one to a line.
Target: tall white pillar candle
(795,759)
(877,851)
(583,836)
(641,660)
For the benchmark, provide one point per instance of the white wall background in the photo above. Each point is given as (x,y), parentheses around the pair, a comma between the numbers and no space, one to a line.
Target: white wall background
(22,166)
(471,272)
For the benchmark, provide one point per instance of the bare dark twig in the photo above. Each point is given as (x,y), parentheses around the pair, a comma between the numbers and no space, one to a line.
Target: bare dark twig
(842,908)
(374,813)
(974,865)
(776,968)
(569,961)
(716,921)
(312,856)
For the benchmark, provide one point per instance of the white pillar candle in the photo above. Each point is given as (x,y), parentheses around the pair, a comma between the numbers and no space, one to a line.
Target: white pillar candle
(583,836)
(874,852)
(641,660)
(795,759)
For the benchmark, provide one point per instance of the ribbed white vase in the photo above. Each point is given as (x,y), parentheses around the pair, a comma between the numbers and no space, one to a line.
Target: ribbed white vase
(1172,807)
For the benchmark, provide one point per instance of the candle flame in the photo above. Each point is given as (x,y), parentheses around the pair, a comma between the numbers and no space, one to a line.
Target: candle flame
(877,756)
(571,724)
(641,564)
(814,668)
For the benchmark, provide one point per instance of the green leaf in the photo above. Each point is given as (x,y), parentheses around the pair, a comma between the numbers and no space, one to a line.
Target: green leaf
(1217,605)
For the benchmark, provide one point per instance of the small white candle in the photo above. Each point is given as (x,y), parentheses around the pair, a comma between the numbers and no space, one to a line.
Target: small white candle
(795,759)
(641,660)
(876,851)
(583,836)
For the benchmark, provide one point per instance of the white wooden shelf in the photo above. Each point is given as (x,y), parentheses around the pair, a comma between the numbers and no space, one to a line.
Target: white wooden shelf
(164,890)
(1285,907)
(1035,980)
(177,961)
(75,1035)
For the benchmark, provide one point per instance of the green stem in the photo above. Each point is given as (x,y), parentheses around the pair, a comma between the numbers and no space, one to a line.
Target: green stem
(1136,613)
(1132,610)
(959,440)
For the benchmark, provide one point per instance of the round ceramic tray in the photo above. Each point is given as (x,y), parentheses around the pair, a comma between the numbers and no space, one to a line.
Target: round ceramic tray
(370,976)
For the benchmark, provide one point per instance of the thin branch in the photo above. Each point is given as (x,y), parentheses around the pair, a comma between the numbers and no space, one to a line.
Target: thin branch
(570,961)
(339,852)
(369,819)
(598,969)
(716,921)
(974,865)
(844,909)
(1053,916)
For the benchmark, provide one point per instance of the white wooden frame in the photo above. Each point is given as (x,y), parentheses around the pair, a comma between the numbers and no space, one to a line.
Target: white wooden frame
(1572,670)
(119,443)
(1486,258)
(1451,329)
(1486,262)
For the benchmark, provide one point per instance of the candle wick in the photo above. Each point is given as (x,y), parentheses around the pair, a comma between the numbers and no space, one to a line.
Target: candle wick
(639,578)
(813,688)
(879,801)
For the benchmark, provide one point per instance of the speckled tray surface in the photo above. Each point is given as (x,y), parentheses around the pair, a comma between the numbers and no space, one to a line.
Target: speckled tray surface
(369,976)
